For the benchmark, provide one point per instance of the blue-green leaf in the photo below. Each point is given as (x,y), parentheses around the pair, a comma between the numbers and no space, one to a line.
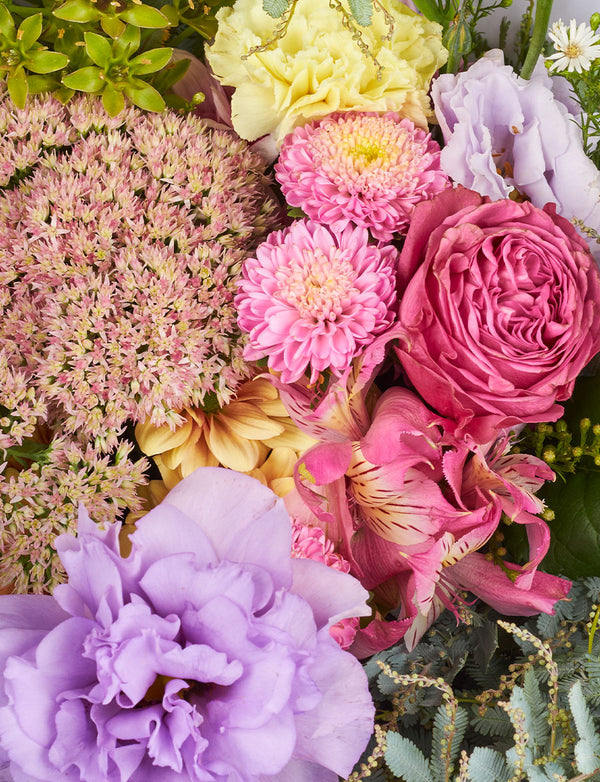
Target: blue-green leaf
(276,8)
(362,11)
(405,760)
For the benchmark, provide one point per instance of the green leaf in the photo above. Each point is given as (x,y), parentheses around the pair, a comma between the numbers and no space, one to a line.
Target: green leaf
(7,25)
(112,25)
(574,552)
(146,98)
(127,42)
(171,13)
(445,744)
(85,79)
(276,8)
(362,11)
(39,84)
(18,88)
(29,31)
(151,61)
(98,49)
(78,11)
(539,710)
(584,403)
(144,16)
(171,75)
(45,62)
(113,101)
(405,760)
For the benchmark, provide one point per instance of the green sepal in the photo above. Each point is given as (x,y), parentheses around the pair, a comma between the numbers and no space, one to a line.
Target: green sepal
(146,97)
(144,16)
(18,88)
(45,62)
(113,101)
(151,61)
(78,11)
(112,25)
(276,8)
(98,49)
(7,25)
(362,11)
(87,79)
(29,31)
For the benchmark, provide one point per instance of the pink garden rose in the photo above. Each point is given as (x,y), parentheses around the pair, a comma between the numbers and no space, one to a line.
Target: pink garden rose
(500,310)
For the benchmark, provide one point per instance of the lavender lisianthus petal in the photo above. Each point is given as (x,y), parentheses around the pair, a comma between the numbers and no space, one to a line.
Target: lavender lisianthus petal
(504,132)
(333,596)
(25,620)
(188,663)
(231,517)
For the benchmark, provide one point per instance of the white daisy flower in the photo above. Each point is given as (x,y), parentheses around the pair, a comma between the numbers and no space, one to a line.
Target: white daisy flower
(576,47)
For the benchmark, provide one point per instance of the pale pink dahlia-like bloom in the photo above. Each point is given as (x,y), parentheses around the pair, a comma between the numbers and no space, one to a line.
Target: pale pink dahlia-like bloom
(314,298)
(362,168)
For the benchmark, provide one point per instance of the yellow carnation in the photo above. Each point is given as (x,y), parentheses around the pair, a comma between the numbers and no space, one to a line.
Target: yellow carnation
(317,69)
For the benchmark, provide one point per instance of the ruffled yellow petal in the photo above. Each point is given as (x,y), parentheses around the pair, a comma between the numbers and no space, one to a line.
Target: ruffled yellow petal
(174,457)
(196,455)
(282,486)
(170,477)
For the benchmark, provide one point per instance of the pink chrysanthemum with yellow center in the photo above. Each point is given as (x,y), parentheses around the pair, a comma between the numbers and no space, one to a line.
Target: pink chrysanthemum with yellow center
(314,298)
(361,168)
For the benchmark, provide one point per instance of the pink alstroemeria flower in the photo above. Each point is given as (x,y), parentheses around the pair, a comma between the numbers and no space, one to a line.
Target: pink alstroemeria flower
(408,506)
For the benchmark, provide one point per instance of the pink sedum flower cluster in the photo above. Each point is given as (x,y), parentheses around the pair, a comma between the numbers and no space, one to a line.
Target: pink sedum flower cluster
(120,253)
(358,168)
(313,297)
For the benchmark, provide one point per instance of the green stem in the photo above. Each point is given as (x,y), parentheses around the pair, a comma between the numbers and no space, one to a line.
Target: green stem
(543,10)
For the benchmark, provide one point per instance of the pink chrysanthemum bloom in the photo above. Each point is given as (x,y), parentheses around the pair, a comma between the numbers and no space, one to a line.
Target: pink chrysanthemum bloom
(120,252)
(315,297)
(362,168)
(312,543)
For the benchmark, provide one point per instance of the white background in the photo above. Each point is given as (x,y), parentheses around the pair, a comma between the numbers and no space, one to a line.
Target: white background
(581,10)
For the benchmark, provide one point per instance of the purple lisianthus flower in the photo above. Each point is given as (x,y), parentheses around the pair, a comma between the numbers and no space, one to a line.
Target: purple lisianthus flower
(203,656)
(503,132)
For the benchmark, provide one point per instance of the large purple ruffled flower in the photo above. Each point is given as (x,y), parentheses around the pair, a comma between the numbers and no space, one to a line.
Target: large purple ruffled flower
(204,656)
(504,132)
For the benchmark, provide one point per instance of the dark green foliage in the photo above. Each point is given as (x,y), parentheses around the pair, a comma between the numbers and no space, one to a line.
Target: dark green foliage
(449,710)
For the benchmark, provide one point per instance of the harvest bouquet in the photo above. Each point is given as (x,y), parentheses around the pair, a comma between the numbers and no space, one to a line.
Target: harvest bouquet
(299,419)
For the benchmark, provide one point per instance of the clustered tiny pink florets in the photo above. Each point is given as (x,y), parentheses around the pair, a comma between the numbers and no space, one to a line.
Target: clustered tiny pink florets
(121,243)
(361,168)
